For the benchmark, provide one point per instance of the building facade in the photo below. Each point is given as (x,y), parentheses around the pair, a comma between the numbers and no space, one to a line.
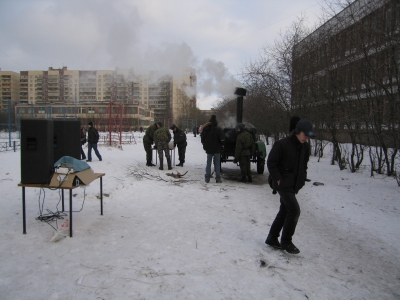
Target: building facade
(9,94)
(75,93)
(346,73)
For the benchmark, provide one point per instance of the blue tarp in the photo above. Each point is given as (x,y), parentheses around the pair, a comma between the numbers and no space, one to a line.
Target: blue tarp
(78,165)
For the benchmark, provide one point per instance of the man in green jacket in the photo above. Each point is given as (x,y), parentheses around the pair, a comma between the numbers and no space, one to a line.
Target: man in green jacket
(162,136)
(148,140)
(244,149)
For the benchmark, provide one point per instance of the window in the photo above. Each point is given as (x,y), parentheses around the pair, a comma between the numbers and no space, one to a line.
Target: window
(81,110)
(41,110)
(90,110)
(102,110)
(71,110)
(21,110)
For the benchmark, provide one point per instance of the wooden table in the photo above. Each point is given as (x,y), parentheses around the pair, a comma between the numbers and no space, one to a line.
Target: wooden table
(47,186)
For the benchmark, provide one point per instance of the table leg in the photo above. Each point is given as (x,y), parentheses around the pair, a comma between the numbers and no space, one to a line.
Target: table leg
(62,199)
(23,211)
(101,195)
(70,213)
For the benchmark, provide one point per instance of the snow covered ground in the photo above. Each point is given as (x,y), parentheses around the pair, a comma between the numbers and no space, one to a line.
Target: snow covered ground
(163,238)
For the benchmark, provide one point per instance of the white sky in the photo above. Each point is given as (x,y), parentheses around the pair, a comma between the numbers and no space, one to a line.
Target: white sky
(161,238)
(145,35)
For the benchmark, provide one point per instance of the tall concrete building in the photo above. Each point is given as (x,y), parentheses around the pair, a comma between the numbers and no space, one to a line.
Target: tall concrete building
(9,93)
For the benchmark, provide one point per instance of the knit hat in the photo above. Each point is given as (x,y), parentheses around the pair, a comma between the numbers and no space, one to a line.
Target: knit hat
(305,126)
(90,123)
(159,123)
(173,127)
(240,126)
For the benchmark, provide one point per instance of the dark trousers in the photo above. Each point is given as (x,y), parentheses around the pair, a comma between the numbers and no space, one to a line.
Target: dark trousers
(245,168)
(181,153)
(149,152)
(286,219)
(83,155)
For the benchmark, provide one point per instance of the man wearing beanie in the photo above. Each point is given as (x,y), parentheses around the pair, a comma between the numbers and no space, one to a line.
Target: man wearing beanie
(180,142)
(93,139)
(212,139)
(287,165)
(148,140)
(245,147)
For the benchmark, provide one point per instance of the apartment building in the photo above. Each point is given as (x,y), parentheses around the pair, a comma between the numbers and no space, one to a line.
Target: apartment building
(346,73)
(9,93)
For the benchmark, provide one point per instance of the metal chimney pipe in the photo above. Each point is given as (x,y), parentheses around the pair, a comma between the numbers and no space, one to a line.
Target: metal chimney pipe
(240,92)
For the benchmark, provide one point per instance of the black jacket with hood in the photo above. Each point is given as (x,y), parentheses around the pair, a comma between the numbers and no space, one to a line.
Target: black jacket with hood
(212,138)
(287,162)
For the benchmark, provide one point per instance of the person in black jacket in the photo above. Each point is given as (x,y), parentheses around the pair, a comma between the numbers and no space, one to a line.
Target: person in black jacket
(93,139)
(212,139)
(83,142)
(287,165)
(180,142)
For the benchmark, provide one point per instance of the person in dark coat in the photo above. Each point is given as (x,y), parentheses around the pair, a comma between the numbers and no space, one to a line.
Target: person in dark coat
(93,139)
(83,142)
(194,130)
(287,165)
(148,141)
(180,142)
(245,147)
(212,138)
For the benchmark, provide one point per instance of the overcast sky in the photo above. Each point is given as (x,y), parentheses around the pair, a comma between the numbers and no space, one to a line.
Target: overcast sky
(214,36)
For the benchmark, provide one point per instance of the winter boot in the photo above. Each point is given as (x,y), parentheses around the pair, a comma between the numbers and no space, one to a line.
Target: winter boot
(169,163)
(149,164)
(250,179)
(161,163)
(180,164)
(291,248)
(244,179)
(273,242)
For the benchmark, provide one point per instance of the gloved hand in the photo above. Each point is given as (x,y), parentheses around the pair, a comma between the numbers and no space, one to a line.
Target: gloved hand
(235,161)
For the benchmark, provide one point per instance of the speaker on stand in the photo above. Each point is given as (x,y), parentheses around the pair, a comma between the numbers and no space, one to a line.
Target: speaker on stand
(37,151)
(67,139)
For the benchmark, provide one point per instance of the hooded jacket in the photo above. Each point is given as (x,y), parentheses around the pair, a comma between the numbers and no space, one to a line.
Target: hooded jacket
(287,161)
(148,137)
(212,138)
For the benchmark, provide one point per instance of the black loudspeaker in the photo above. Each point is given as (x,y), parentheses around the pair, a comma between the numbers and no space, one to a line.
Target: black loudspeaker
(37,152)
(67,139)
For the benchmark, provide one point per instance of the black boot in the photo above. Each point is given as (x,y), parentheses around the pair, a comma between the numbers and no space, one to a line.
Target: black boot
(149,164)
(180,164)
(169,163)
(250,179)
(244,179)
(161,163)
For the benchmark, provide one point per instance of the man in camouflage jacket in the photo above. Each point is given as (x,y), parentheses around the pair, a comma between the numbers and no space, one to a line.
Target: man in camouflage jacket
(244,150)
(148,141)
(180,141)
(162,136)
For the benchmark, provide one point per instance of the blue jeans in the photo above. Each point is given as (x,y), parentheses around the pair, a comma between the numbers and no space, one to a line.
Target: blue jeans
(217,165)
(94,146)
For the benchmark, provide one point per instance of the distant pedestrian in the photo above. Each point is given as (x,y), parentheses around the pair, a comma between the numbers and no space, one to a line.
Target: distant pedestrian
(180,142)
(93,139)
(148,141)
(287,165)
(141,129)
(245,147)
(83,142)
(212,139)
(162,136)
(194,130)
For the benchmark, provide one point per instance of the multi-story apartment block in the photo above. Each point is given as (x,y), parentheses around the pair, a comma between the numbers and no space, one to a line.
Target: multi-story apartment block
(9,92)
(73,92)
(346,74)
